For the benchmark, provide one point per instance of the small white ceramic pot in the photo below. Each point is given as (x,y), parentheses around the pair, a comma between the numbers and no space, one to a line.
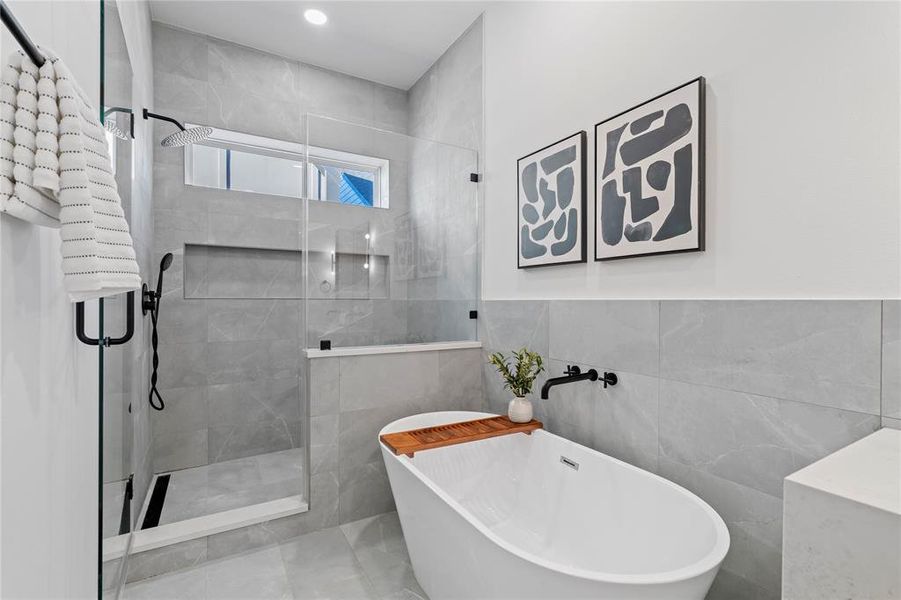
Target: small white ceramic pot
(519,410)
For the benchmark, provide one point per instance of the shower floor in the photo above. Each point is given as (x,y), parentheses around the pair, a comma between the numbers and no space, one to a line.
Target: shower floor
(209,489)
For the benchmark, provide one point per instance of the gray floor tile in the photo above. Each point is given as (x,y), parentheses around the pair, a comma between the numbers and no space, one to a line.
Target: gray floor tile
(362,560)
(258,574)
(189,584)
(227,485)
(378,543)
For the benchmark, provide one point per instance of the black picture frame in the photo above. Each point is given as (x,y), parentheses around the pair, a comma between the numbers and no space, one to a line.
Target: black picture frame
(701,82)
(583,201)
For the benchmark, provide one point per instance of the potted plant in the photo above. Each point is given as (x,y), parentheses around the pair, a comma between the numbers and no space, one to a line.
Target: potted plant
(519,379)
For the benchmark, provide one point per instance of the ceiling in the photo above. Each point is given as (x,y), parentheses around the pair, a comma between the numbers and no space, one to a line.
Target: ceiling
(392,43)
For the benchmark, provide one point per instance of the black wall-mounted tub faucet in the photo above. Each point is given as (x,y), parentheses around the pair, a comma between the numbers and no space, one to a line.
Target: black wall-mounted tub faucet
(573,374)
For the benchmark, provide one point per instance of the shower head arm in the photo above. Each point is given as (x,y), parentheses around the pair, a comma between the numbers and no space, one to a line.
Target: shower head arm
(150,115)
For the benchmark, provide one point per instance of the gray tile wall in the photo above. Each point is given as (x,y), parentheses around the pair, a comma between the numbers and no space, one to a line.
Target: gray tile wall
(445,105)
(230,369)
(723,397)
(353,397)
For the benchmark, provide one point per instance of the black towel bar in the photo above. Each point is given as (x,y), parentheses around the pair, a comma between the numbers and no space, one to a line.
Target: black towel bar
(16,30)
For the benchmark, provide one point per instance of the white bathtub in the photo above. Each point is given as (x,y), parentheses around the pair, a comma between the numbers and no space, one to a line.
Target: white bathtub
(506,518)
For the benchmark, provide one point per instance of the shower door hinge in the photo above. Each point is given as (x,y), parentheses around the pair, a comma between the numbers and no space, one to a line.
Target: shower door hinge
(473,314)
(474,177)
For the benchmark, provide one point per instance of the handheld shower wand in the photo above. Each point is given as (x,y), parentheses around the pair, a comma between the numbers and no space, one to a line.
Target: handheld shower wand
(151,303)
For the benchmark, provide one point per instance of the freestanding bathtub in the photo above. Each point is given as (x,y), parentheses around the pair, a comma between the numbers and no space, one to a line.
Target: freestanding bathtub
(538,516)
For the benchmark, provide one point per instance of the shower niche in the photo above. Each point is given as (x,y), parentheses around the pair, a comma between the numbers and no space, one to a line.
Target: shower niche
(221,272)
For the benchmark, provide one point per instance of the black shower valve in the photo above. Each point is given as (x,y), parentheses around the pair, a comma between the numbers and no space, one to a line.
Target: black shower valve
(148,299)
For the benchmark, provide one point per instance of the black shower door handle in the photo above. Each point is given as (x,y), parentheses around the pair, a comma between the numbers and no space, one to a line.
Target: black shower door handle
(108,341)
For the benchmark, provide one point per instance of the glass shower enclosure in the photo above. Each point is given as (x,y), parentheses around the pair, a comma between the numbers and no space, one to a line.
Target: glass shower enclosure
(347,236)
(391,249)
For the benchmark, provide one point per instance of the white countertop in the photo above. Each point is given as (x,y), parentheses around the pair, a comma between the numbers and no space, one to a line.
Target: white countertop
(867,471)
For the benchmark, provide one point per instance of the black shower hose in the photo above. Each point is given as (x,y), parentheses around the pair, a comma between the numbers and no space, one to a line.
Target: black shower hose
(156,401)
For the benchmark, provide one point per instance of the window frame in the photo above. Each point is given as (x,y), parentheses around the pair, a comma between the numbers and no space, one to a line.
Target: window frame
(244,142)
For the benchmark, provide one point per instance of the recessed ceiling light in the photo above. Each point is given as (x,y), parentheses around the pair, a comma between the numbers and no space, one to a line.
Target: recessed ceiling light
(315,16)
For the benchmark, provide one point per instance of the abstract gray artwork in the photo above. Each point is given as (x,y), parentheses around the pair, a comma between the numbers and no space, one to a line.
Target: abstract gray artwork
(649,169)
(551,204)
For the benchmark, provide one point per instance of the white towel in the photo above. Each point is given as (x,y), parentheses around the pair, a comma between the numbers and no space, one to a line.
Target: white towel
(55,171)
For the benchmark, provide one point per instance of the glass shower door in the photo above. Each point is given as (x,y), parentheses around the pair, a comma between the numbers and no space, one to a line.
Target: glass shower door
(123,482)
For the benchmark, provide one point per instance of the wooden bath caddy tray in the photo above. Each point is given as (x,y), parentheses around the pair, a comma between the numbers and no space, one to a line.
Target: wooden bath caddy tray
(410,442)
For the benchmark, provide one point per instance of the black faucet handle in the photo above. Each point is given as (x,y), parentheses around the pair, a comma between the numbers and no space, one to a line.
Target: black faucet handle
(610,378)
(573,370)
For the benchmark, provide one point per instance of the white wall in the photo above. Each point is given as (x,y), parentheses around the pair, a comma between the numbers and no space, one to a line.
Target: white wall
(802,139)
(48,380)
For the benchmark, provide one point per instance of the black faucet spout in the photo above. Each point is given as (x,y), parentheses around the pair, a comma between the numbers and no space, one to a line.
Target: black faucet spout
(573,374)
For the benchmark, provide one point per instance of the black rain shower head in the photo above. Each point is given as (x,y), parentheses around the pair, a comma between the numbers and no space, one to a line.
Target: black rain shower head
(182,137)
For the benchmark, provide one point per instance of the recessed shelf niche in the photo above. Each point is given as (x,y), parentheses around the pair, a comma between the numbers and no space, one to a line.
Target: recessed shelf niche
(218,272)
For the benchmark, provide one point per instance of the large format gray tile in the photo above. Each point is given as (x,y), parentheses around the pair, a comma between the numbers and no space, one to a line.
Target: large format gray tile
(891,359)
(754,520)
(378,544)
(460,380)
(244,110)
(614,334)
(242,539)
(728,586)
(752,440)
(324,443)
(182,365)
(240,440)
(363,491)
(819,352)
(323,565)
(252,320)
(234,362)
(180,449)
(258,574)
(166,559)
(325,92)
(182,321)
(324,386)
(189,584)
(625,420)
(570,408)
(185,410)
(382,380)
(255,232)
(248,401)
(390,109)
(512,324)
(179,52)
(239,66)
(358,433)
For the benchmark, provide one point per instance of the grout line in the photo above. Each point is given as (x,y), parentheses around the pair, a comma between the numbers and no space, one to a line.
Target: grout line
(759,395)
(356,558)
(659,378)
(881,360)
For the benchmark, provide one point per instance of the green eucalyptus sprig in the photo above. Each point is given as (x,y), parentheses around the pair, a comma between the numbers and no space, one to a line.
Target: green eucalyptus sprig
(522,375)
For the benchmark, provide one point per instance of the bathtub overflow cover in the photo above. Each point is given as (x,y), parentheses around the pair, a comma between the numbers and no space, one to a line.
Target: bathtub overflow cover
(569,463)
